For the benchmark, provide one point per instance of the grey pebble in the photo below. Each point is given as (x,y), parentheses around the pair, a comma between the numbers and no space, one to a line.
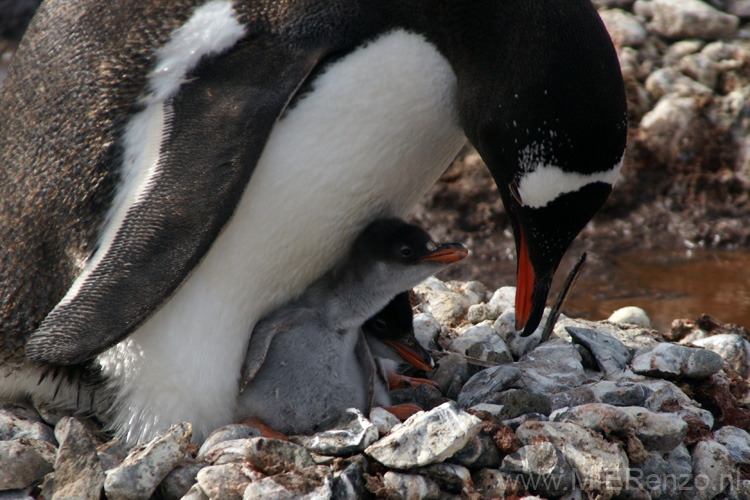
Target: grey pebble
(78,469)
(670,360)
(227,433)
(479,452)
(146,466)
(737,442)
(226,481)
(611,355)
(481,342)
(25,462)
(349,483)
(179,481)
(452,478)
(408,486)
(544,465)
(451,373)
(483,385)
(310,483)
(348,433)
(273,456)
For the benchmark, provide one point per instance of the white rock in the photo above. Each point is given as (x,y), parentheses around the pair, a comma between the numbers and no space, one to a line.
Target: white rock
(665,128)
(739,8)
(667,80)
(227,481)
(426,437)
(146,466)
(383,420)
(474,291)
(554,366)
(410,486)
(643,9)
(20,421)
(350,433)
(492,409)
(624,28)
(426,329)
(505,327)
(713,470)
(503,298)
(481,342)
(737,442)
(680,49)
(228,433)
(700,68)
(602,466)
(310,483)
(679,19)
(195,493)
(442,303)
(731,347)
(225,452)
(657,431)
(632,315)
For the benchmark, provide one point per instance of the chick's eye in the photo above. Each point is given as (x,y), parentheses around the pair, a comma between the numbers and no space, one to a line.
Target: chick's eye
(406,251)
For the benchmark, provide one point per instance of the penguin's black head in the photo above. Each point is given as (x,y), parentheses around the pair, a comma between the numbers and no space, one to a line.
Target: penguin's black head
(393,326)
(541,97)
(394,321)
(394,242)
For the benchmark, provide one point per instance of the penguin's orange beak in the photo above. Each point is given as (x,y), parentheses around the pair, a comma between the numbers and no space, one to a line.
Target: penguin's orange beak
(446,253)
(524,286)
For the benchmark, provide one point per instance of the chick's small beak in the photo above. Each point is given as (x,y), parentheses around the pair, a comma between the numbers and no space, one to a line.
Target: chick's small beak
(416,356)
(446,253)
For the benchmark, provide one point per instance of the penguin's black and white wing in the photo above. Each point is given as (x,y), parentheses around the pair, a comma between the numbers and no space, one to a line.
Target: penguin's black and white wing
(216,89)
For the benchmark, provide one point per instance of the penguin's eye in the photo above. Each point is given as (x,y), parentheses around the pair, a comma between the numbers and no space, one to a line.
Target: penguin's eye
(380,324)
(406,251)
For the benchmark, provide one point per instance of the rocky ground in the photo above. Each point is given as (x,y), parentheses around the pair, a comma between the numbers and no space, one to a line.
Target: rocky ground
(601,410)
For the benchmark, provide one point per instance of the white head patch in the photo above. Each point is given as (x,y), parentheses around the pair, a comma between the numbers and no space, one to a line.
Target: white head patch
(543,182)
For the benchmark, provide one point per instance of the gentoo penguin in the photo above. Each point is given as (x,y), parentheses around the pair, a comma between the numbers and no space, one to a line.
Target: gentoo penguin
(174,170)
(309,368)
(391,340)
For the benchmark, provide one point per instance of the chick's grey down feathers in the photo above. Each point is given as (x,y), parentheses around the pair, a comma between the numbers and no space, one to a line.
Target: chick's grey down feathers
(308,359)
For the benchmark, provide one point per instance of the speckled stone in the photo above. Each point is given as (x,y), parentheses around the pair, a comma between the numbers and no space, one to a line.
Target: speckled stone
(146,466)
(78,469)
(670,360)
(426,438)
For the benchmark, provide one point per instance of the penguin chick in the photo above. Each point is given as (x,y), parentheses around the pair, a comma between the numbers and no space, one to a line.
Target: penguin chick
(391,340)
(308,359)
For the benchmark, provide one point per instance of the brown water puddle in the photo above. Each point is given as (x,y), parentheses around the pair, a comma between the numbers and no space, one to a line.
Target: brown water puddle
(668,286)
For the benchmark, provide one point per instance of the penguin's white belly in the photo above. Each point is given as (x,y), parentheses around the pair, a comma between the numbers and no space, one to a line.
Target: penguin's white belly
(376,131)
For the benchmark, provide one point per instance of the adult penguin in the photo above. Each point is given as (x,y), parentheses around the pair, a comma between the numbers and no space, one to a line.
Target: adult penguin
(173,170)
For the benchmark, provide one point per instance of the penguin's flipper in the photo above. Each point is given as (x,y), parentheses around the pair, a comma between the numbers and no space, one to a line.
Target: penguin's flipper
(257,349)
(214,130)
